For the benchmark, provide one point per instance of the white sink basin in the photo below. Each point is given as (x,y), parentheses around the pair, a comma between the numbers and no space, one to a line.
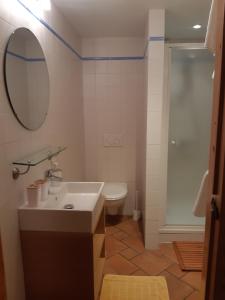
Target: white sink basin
(71,207)
(82,195)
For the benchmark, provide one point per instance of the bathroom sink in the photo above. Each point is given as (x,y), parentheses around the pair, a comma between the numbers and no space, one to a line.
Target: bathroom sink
(69,207)
(82,195)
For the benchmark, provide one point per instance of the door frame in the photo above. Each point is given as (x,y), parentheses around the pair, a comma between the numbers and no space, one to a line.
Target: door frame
(213,277)
(2,275)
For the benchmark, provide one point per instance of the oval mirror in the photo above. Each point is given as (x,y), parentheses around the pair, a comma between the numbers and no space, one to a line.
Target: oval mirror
(26,78)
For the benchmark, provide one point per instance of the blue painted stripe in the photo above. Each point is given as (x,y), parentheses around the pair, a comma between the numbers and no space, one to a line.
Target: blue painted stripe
(113,58)
(25,58)
(51,30)
(156,38)
(151,38)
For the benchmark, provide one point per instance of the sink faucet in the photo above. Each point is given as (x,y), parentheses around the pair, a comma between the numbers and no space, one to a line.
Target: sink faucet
(51,174)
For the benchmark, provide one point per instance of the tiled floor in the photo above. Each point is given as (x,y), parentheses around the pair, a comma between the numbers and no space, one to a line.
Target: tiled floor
(126,255)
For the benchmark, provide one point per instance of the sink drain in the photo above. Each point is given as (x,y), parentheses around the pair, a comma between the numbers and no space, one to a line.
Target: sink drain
(68,206)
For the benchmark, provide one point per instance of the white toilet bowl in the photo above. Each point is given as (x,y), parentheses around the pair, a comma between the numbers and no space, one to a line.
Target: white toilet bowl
(114,194)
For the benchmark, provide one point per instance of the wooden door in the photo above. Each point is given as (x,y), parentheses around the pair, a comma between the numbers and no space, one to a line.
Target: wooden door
(214,263)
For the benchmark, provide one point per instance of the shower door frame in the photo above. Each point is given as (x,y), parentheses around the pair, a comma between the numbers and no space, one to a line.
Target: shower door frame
(171,232)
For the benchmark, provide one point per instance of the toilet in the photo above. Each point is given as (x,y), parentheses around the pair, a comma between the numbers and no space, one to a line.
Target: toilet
(114,194)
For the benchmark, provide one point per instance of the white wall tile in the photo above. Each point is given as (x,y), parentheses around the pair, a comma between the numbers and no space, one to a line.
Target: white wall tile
(152,213)
(153,152)
(63,126)
(154,128)
(114,67)
(154,182)
(153,226)
(153,197)
(155,83)
(153,167)
(89,67)
(152,241)
(155,75)
(155,102)
(156,50)
(102,67)
(119,91)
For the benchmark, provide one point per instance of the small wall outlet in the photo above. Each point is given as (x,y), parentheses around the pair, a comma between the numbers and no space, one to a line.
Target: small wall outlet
(113,140)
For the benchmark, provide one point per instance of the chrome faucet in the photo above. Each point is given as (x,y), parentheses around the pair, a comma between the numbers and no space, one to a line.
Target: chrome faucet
(50,174)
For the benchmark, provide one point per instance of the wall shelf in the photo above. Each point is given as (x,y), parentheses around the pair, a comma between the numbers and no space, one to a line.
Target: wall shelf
(35,159)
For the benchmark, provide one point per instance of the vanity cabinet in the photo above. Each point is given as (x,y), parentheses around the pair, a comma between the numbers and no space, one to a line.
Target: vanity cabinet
(64,265)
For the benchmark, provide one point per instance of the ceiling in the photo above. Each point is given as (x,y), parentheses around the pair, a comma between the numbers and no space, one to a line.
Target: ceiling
(99,18)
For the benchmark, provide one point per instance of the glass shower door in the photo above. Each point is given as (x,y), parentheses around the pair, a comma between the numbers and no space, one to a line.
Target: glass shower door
(189,131)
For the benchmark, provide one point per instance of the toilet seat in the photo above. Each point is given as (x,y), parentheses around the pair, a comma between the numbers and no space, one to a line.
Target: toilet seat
(114,191)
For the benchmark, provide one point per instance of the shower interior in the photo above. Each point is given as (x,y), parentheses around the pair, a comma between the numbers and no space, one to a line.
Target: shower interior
(190,70)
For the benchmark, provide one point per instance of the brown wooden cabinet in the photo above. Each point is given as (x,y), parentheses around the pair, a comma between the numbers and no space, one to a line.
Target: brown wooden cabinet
(64,265)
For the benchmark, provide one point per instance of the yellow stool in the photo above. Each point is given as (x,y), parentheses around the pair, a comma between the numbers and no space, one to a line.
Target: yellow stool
(117,287)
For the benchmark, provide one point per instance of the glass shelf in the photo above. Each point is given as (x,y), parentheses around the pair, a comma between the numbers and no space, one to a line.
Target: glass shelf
(38,157)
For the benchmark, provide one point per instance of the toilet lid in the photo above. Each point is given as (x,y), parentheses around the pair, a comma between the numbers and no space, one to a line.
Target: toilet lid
(114,191)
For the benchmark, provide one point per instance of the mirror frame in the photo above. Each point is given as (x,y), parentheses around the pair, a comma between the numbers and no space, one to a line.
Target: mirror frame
(6,85)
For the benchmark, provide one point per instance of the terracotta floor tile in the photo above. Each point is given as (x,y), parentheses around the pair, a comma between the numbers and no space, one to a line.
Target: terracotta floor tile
(119,265)
(194,296)
(128,253)
(157,252)
(135,243)
(113,246)
(120,235)
(111,230)
(178,290)
(194,279)
(151,263)
(108,269)
(128,256)
(130,227)
(139,273)
(167,250)
(176,270)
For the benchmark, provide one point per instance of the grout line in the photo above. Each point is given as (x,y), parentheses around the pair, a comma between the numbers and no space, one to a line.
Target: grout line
(184,282)
(189,295)
(131,257)
(194,288)
(139,269)
(130,263)
(164,269)
(163,255)
(186,272)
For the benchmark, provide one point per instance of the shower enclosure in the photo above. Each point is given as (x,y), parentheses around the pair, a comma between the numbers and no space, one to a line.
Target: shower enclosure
(190,100)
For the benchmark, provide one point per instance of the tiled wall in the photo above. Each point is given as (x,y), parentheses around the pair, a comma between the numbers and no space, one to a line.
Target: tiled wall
(113,99)
(155,76)
(114,103)
(64,126)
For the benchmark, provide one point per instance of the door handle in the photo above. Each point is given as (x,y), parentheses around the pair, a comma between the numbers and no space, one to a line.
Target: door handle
(214,208)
